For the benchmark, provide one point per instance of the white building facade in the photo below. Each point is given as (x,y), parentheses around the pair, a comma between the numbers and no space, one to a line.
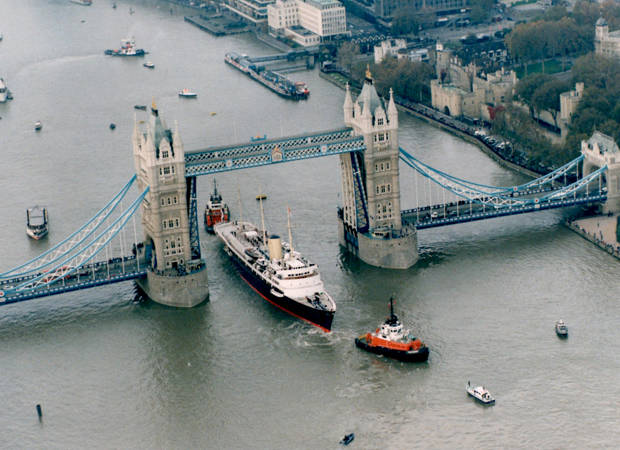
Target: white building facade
(307,22)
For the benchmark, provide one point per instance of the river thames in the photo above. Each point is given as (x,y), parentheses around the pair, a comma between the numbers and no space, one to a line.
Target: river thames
(236,373)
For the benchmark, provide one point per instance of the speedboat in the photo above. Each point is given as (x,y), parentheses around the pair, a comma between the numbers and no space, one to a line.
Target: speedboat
(258,138)
(561,329)
(480,393)
(149,65)
(82,2)
(140,107)
(36,222)
(187,93)
(38,125)
(391,340)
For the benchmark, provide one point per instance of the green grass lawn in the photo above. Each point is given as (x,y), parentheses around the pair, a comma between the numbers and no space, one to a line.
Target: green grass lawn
(551,66)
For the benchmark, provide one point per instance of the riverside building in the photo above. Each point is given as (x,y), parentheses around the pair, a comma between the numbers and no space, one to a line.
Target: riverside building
(307,22)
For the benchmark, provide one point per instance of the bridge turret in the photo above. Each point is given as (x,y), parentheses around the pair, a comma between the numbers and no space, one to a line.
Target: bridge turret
(160,164)
(600,151)
(392,111)
(370,184)
(348,105)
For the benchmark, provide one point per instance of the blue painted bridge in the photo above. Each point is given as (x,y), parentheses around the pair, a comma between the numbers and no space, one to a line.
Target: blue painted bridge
(96,253)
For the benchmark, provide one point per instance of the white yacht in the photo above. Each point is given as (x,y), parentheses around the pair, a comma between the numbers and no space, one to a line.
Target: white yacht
(277,272)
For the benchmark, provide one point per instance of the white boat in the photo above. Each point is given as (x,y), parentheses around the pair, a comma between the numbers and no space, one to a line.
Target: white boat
(36,222)
(277,273)
(149,65)
(561,329)
(187,93)
(480,393)
(38,125)
(82,2)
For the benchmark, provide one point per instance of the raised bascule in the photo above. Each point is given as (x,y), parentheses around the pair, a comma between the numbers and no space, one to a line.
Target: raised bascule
(167,263)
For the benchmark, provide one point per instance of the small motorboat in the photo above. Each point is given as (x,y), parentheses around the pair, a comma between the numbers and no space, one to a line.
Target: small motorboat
(258,138)
(347,439)
(140,107)
(561,329)
(36,222)
(187,93)
(213,113)
(38,125)
(391,340)
(112,126)
(149,65)
(480,393)
(261,197)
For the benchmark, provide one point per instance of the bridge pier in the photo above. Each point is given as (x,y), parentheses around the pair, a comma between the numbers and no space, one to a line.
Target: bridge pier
(369,222)
(385,252)
(177,275)
(173,290)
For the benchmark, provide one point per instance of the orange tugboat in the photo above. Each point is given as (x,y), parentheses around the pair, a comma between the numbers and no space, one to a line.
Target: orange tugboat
(391,340)
(216,210)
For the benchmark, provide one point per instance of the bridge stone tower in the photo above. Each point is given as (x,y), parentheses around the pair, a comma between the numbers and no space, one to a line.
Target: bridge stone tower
(177,275)
(599,151)
(370,219)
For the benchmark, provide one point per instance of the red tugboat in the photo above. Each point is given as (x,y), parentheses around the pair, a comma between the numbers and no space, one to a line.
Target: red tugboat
(216,210)
(391,340)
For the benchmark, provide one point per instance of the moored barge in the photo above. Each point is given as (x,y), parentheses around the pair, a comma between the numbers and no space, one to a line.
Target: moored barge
(272,80)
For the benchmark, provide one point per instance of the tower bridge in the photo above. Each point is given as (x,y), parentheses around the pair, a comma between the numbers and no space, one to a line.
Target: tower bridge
(167,262)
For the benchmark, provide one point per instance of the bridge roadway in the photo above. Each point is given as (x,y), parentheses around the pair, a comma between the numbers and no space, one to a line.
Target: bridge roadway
(87,276)
(260,153)
(451,213)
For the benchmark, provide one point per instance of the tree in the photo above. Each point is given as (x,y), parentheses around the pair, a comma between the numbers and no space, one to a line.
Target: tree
(527,86)
(547,97)
(405,22)
(347,53)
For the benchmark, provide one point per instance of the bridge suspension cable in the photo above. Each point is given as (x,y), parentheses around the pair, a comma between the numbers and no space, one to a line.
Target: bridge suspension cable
(69,265)
(489,189)
(504,198)
(73,241)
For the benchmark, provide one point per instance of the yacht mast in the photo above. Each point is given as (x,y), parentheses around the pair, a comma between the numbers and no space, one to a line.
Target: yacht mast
(290,236)
(262,217)
(240,205)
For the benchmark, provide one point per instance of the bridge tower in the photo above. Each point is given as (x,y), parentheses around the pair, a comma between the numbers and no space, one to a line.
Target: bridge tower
(599,151)
(177,275)
(370,218)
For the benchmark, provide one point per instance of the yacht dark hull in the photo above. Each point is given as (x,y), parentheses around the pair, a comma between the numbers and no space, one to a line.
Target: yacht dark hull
(318,317)
(420,355)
